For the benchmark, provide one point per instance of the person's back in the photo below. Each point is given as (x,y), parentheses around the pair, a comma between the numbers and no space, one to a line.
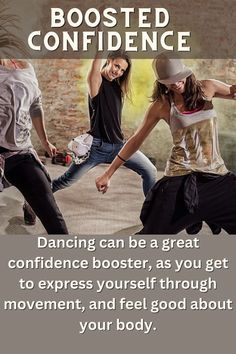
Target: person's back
(19,85)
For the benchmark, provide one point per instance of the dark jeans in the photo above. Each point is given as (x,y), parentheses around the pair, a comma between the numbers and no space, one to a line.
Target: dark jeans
(25,173)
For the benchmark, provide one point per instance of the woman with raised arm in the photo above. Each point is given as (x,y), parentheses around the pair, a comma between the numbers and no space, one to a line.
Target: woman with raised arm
(108,85)
(196,185)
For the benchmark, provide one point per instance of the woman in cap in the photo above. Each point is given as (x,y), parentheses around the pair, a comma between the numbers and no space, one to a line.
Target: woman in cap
(196,185)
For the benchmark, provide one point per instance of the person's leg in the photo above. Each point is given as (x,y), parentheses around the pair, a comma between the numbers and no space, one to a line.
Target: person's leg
(196,228)
(72,175)
(140,164)
(218,202)
(75,171)
(164,210)
(23,172)
(99,154)
(29,214)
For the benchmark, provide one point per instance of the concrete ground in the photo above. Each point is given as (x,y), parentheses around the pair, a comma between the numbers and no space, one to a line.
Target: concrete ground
(85,210)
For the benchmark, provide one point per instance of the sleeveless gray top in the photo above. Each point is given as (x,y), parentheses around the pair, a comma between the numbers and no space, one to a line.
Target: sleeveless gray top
(195,138)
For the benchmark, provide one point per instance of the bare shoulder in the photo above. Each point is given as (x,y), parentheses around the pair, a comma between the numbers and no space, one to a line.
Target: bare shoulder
(212,88)
(161,108)
(23,64)
(209,83)
(208,88)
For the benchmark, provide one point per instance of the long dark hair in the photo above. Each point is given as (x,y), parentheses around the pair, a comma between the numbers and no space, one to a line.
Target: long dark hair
(193,94)
(125,80)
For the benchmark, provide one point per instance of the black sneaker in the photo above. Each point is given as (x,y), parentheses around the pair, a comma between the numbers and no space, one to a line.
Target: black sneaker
(29,215)
(194,229)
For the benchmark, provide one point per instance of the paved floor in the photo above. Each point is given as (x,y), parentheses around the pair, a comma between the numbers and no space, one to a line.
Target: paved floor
(85,210)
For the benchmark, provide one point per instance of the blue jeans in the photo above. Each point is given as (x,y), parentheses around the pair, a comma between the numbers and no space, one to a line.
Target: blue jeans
(102,152)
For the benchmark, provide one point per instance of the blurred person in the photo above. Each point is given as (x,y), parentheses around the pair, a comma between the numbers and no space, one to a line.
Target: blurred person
(20,106)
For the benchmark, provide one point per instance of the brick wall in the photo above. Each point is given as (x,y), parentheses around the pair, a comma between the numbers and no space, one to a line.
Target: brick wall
(64,89)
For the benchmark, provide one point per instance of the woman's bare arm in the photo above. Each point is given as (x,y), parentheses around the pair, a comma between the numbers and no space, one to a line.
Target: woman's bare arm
(39,126)
(218,89)
(94,77)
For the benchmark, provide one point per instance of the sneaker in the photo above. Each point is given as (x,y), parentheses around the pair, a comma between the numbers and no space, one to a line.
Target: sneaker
(29,215)
(194,229)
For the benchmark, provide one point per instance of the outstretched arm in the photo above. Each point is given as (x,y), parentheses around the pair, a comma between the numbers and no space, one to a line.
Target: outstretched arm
(218,89)
(151,119)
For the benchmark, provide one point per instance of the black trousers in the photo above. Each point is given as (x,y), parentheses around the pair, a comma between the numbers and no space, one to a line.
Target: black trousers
(25,173)
(175,203)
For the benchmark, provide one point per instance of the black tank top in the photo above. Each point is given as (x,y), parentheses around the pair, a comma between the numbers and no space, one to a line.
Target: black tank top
(105,113)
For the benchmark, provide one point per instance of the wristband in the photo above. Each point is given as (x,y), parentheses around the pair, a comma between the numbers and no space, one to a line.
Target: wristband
(121,158)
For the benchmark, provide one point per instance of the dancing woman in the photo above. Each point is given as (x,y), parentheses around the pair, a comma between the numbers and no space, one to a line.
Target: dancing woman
(108,85)
(196,185)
